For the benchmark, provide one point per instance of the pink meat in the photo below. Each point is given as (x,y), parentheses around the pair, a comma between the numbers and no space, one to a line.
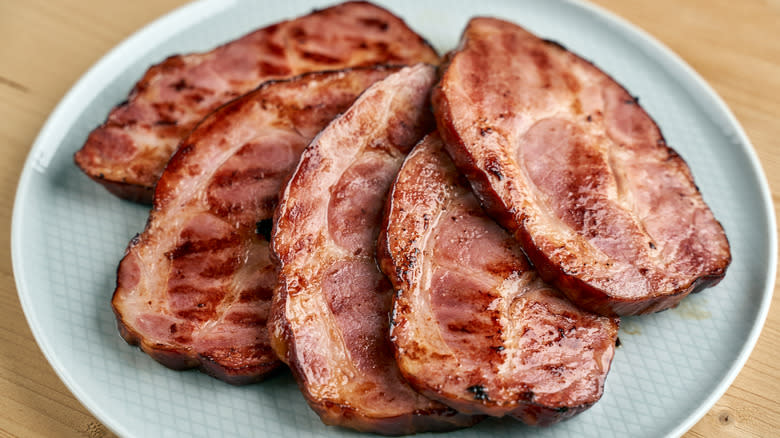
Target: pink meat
(194,289)
(330,312)
(565,158)
(127,153)
(474,326)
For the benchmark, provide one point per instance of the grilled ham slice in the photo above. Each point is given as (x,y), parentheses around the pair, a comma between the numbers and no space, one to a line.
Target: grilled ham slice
(329,320)
(473,325)
(128,152)
(194,289)
(565,158)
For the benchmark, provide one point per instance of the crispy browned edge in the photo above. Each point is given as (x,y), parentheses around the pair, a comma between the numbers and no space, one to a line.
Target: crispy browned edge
(580,292)
(143,194)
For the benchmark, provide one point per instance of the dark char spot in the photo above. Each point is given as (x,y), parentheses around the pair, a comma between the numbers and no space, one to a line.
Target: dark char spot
(479,392)
(263,228)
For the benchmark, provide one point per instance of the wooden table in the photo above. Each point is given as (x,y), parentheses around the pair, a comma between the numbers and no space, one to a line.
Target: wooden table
(45,46)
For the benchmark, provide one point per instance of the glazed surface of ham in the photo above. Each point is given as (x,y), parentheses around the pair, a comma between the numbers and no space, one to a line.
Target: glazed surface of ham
(330,313)
(565,158)
(194,289)
(128,152)
(473,325)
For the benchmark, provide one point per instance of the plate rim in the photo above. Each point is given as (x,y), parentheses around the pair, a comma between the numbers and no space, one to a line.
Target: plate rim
(112,63)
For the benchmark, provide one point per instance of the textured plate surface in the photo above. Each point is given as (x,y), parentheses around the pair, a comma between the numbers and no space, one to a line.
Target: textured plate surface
(68,235)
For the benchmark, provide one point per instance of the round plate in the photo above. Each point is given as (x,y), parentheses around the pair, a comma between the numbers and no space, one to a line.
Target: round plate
(69,234)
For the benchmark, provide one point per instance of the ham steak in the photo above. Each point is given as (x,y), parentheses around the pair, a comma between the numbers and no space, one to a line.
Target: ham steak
(473,325)
(128,152)
(194,289)
(329,320)
(562,155)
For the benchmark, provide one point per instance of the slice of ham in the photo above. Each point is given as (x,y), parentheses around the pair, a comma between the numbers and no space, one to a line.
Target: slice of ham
(194,289)
(473,325)
(128,152)
(565,158)
(329,320)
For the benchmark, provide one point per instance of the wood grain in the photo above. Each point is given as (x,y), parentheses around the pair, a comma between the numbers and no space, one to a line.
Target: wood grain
(46,46)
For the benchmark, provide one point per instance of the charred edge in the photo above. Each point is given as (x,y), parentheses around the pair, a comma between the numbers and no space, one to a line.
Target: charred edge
(479,392)
(555,44)
(134,192)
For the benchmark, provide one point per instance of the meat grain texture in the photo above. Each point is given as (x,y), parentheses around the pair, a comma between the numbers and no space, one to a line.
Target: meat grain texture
(565,158)
(194,289)
(473,325)
(127,153)
(330,312)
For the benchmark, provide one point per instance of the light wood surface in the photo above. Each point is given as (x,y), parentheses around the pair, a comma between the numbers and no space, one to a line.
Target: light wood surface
(45,46)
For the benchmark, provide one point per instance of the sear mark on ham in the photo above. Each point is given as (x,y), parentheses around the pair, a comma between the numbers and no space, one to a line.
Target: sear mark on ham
(195,288)
(330,316)
(565,158)
(474,326)
(128,152)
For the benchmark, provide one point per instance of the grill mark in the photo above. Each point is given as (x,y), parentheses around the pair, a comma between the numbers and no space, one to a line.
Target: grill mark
(228,179)
(263,207)
(221,270)
(320,58)
(258,293)
(246,319)
(376,23)
(543,66)
(206,302)
(272,69)
(190,247)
